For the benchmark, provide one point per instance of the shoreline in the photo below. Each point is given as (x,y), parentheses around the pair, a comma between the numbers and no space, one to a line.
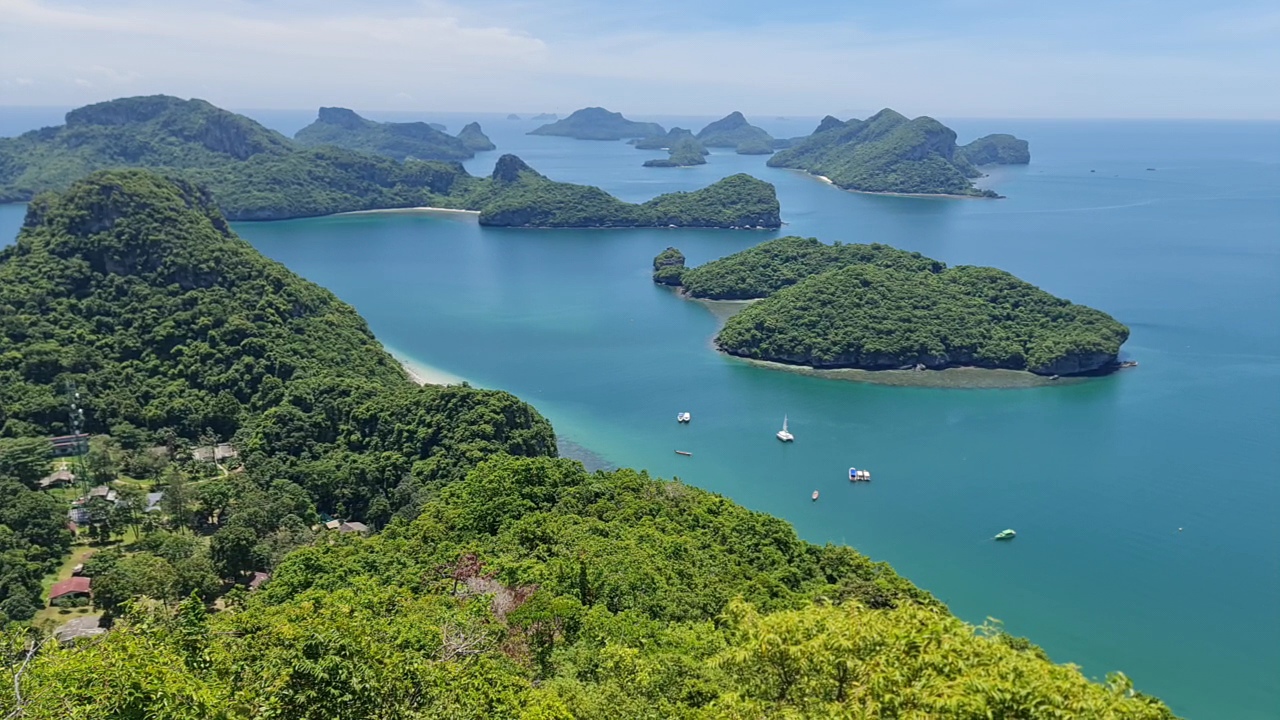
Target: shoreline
(958,378)
(951,196)
(421,373)
(961,377)
(419,209)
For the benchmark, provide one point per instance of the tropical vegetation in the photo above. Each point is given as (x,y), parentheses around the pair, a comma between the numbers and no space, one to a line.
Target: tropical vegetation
(877,307)
(889,153)
(733,131)
(505,583)
(254,173)
(343,128)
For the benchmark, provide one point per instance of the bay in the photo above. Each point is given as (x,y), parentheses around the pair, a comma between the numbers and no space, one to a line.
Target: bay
(1097,477)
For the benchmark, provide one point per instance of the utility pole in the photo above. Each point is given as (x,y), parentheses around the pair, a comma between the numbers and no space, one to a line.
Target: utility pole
(75,423)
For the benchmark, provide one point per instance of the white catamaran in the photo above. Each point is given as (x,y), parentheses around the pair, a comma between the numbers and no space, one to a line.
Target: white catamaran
(783,435)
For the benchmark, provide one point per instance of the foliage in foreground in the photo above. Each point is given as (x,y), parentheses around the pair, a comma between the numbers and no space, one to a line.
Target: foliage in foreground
(535,590)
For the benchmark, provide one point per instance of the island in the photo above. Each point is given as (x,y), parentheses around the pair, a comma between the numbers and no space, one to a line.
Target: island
(997,149)
(254,173)
(343,128)
(686,152)
(733,131)
(544,117)
(874,307)
(887,153)
(474,138)
(518,196)
(513,116)
(595,123)
(664,141)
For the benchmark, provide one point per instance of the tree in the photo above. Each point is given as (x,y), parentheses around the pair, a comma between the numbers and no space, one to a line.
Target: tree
(132,577)
(232,551)
(101,513)
(25,459)
(100,462)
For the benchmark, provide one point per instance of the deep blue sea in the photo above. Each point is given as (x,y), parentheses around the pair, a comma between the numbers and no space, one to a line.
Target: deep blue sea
(1146,502)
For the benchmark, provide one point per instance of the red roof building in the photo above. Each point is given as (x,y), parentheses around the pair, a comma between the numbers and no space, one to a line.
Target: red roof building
(75,586)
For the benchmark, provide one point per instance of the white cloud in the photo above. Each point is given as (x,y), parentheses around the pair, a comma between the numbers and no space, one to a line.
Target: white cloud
(442,55)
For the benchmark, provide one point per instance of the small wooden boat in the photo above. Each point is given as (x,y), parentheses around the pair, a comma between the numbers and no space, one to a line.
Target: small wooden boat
(815,494)
(1005,535)
(686,453)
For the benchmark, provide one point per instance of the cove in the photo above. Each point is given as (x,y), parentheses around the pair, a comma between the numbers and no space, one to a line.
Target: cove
(1096,476)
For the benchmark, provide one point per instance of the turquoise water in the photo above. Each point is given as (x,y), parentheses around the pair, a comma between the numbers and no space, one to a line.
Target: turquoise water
(1097,477)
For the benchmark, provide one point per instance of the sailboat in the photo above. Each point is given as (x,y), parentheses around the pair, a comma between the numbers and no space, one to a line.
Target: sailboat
(783,435)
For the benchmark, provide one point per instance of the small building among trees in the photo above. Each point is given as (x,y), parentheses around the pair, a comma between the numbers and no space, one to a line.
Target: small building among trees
(70,590)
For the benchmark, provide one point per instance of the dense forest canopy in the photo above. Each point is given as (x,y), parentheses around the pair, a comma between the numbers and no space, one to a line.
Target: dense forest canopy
(518,196)
(133,288)
(595,123)
(877,307)
(534,590)
(256,174)
(889,153)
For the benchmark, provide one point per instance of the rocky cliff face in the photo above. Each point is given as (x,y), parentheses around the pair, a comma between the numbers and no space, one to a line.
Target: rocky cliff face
(510,169)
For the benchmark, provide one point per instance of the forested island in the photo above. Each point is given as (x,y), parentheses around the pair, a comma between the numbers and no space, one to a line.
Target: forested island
(517,196)
(685,152)
(343,128)
(595,123)
(888,153)
(733,131)
(500,581)
(257,174)
(662,142)
(474,138)
(874,307)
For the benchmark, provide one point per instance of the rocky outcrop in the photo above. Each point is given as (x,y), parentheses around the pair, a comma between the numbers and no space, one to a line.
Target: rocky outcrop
(668,266)
(510,169)
(475,139)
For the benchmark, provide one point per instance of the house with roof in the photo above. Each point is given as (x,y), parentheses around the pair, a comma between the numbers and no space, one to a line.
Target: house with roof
(353,527)
(153,501)
(76,628)
(61,478)
(106,492)
(70,589)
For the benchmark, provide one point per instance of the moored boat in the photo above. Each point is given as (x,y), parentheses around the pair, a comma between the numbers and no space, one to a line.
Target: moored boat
(856,475)
(786,436)
(815,494)
(683,417)
(686,453)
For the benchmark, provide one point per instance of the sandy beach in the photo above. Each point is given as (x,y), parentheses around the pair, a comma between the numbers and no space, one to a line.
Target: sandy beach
(424,374)
(423,209)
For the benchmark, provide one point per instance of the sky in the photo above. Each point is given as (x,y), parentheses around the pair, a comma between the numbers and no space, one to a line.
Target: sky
(950,58)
